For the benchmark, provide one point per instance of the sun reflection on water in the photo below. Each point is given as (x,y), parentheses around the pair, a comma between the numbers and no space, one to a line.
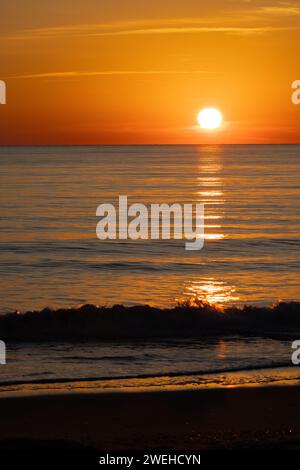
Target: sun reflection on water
(212,291)
(210,190)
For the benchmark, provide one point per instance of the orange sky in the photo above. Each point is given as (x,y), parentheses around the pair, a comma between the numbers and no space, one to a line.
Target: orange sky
(129,72)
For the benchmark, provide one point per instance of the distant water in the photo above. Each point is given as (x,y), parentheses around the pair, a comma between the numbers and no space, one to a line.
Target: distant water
(50,255)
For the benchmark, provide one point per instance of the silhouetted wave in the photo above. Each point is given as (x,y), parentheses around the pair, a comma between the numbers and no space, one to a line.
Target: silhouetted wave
(119,323)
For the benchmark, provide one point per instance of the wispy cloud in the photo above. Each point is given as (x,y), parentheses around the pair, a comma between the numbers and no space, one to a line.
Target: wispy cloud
(198,29)
(281,9)
(167,26)
(76,74)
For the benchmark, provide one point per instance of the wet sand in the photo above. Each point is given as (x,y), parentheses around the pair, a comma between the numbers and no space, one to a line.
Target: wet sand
(231,418)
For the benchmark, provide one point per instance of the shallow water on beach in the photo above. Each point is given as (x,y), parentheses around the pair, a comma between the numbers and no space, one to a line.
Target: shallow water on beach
(142,365)
(252,378)
(261,378)
(50,255)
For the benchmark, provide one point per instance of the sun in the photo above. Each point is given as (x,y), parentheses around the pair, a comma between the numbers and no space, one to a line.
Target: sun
(210,118)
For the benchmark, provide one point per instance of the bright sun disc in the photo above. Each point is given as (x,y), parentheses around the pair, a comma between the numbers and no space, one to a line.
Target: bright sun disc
(209,118)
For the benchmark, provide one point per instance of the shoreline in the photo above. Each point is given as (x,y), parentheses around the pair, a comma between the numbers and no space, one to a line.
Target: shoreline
(228,418)
(193,381)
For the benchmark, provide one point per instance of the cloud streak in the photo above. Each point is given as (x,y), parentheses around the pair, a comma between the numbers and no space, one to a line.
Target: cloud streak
(199,29)
(281,10)
(167,26)
(75,74)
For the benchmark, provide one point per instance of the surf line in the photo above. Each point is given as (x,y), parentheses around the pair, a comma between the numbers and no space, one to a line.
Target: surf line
(156,222)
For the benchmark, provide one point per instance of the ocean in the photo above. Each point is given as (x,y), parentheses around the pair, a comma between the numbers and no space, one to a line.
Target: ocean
(51,257)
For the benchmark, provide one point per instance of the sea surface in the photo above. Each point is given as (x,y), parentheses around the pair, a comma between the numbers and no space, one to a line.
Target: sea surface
(38,368)
(50,255)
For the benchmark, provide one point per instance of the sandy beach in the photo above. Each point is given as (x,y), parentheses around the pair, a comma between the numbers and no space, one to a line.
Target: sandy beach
(232,418)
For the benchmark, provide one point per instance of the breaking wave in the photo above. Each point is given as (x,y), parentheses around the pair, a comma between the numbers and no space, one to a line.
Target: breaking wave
(120,323)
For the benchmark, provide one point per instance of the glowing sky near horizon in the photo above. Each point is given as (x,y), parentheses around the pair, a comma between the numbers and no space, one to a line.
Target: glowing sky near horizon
(129,71)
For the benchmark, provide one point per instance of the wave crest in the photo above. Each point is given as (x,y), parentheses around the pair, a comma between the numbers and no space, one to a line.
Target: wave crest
(142,322)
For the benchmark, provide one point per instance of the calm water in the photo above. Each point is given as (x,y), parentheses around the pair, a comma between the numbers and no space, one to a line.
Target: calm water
(50,255)
(230,361)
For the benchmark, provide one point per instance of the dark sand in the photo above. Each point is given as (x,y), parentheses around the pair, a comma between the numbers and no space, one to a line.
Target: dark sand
(240,418)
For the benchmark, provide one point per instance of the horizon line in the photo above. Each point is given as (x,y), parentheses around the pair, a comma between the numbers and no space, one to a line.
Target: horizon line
(143,145)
